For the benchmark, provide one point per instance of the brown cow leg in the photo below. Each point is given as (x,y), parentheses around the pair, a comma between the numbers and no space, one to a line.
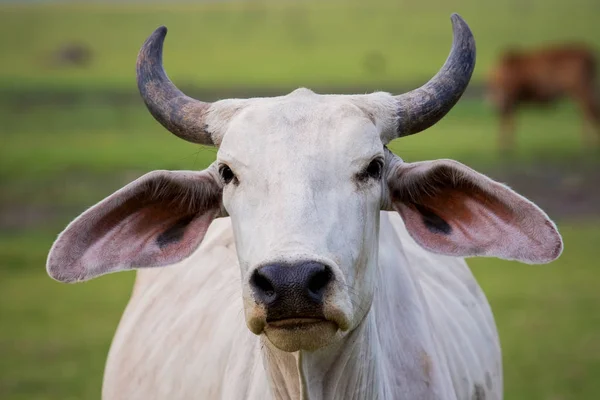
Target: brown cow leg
(590,108)
(507,132)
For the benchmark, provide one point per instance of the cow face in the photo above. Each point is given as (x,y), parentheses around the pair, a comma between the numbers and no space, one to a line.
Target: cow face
(302,178)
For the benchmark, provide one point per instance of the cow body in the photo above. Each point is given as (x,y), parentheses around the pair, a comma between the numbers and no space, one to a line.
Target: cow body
(541,77)
(174,343)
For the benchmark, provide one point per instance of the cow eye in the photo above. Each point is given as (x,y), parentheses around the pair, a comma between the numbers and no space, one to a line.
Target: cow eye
(374,169)
(226,173)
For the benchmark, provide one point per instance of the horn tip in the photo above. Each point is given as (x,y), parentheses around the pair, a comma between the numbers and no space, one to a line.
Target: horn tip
(152,47)
(161,31)
(462,31)
(154,42)
(456,18)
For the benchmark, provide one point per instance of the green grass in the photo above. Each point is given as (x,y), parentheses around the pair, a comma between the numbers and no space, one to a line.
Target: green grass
(57,160)
(83,138)
(548,320)
(54,337)
(288,44)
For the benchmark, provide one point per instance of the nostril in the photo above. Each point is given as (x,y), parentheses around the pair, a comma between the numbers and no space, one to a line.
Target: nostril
(319,281)
(292,286)
(262,284)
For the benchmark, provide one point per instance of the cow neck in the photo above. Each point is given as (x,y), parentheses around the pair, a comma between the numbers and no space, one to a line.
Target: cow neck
(358,367)
(348,369)
(362,366)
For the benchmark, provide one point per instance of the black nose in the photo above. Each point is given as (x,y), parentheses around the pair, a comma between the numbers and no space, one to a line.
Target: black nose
(291,290)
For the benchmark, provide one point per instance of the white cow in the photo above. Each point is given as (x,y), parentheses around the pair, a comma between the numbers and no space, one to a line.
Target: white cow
(333,271)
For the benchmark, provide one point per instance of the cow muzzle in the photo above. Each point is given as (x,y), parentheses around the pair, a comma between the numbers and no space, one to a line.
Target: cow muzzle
(297,307)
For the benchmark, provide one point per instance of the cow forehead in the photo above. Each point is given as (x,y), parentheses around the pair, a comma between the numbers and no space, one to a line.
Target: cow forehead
(303,124)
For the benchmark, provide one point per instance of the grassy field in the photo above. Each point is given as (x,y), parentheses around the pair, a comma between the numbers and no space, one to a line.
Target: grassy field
(54,164)
(58,159)
(58,139)
(54,337)
(283,44)
(77,155)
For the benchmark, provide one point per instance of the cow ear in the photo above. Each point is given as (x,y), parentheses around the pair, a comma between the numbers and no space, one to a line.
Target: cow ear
(157,220)
(451,209)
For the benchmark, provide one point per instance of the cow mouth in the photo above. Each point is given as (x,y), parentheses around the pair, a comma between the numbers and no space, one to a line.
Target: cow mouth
(301,333)
(297,323)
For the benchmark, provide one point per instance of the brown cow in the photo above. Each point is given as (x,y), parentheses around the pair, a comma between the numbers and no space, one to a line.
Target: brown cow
(541,77)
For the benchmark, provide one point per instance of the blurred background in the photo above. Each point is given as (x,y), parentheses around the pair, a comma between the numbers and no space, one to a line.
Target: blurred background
(73,130)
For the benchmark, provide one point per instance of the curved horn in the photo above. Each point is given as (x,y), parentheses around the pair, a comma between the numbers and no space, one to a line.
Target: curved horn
(177,112)
(423,107)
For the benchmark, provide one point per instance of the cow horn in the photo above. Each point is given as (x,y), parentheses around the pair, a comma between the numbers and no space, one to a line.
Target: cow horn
(423,107)
(177,112)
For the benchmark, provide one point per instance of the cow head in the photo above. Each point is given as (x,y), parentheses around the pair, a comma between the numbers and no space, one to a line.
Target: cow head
(303,178)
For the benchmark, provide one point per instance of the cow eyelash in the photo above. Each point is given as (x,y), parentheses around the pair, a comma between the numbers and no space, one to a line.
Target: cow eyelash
(372,171)
(227,175)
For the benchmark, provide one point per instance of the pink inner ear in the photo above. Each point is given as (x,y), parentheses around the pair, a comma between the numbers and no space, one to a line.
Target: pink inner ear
(467,221)
(452,222)
(156,220)
(153,235)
